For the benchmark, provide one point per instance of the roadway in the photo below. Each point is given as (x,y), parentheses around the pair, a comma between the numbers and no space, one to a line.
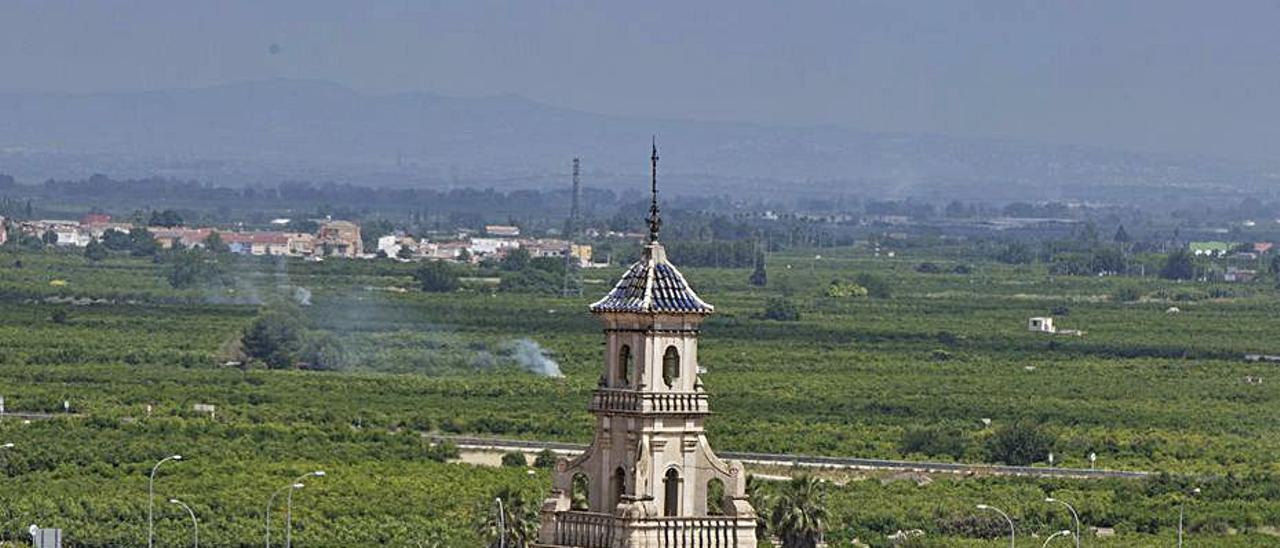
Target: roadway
(815,461)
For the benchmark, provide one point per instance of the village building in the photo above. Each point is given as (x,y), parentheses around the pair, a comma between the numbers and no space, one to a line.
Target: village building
(392,245)
(545,247)
(339,238)
(443,251)
(257,243)
(490,246)
(649,470)
(65,232)
(167,237)
(1239,275)
(502,231)
(98,230)
(301,244)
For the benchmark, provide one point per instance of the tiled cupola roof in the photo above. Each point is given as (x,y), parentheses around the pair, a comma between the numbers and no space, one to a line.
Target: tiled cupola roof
(652,286)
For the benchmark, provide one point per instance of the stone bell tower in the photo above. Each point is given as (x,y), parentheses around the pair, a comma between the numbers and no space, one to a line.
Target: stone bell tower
(649,478)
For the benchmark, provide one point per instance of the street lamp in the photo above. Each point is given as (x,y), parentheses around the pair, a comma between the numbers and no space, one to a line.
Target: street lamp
(271,503)
(288,515)
(502,524)
(288,509)
(1061,533)
(295,484)
(1074,516)
(1181,512)
(1013,543)
(195,525)
(151,500)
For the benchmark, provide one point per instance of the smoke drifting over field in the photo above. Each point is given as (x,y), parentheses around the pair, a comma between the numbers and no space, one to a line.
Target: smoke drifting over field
(532,357)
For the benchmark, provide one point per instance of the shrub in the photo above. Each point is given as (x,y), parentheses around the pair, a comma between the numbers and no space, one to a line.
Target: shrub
(514,459)
(1015,253)
(934,442)
(781,310)
(436,277)
(1126,294)
(1218,292)
(1178,266)
(531,280)
(876,286)
(95,251)
(545,459)
(1020,444)
(928,268)
(839,290)
(273,338)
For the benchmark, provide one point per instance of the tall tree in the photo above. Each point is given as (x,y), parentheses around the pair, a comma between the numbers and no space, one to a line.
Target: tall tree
(214,243)
(759,277)
(519,523)
(1178,266)
(95,251)
(437,277)
(799,513)
(1121,237)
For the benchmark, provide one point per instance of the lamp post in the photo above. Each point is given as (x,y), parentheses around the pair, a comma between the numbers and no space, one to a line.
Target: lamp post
(1182,512)
(1012,533)
(195,525)
(1061,533)
(1074,517)
(502,524)
(295,484)
(151,500)
(288,509)
(271,503)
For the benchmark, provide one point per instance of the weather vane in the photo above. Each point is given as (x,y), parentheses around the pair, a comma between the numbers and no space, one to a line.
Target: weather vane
(655,221)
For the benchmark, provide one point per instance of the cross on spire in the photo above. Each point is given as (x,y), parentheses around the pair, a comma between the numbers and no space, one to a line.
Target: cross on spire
(655,221)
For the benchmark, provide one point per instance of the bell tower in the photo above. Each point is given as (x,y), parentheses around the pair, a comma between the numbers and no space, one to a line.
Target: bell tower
(649,477)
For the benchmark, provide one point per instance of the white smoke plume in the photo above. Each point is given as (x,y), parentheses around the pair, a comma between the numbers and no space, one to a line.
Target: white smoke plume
(532,357)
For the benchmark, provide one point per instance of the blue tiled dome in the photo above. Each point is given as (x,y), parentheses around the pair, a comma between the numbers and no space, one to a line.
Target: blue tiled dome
(652,285)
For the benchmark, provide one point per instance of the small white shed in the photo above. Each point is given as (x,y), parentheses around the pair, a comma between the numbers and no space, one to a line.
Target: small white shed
(1041,324)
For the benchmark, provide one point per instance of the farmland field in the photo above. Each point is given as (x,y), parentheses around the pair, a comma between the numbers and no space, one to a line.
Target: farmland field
(942,354)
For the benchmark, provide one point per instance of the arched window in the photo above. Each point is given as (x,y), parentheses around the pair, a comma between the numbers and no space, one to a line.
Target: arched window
(671,366)
(715,497)
(624,365)
(671,490)
(617,486)
(580,499)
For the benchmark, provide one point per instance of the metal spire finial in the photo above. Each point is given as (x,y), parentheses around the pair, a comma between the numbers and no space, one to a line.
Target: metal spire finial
(655,221)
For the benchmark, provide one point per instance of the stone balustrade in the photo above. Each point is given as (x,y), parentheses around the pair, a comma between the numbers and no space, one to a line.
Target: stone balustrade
(631,401)
(595,530)
(584,529)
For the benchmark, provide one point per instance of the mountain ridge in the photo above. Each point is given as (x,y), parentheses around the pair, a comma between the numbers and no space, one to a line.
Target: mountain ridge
(290,128)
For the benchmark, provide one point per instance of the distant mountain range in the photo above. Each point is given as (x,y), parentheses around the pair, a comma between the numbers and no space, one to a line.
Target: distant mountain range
(276,130)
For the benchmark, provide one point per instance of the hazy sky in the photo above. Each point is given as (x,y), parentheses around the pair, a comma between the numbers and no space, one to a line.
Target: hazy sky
(1187,77)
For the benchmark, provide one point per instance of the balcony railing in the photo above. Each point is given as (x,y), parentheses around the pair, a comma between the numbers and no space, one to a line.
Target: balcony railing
(630,401)
(584,529)
(702,532)
(594,530)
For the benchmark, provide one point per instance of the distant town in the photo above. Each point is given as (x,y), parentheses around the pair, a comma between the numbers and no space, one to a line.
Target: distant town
(331,238)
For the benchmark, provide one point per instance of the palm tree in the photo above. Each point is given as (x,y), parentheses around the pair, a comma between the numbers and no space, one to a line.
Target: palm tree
(760,501)
(520,519)
(799,513)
